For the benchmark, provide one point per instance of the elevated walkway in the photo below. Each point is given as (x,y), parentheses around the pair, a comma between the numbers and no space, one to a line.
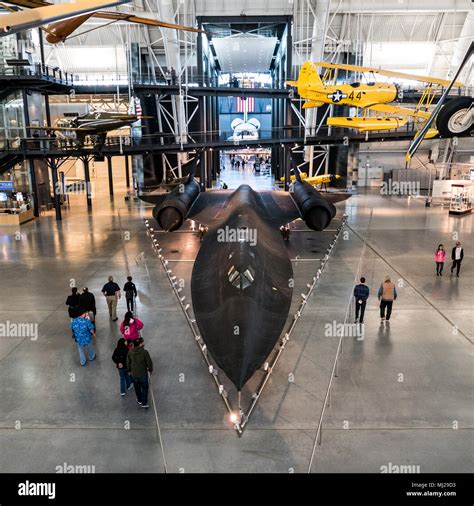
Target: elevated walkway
(35,77)
(12,152)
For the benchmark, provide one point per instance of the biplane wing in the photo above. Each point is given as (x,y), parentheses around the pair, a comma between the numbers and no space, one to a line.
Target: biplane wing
(387,73)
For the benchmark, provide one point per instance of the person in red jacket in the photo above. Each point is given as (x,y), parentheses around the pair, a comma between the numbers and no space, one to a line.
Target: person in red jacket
(440,255)
(130,327)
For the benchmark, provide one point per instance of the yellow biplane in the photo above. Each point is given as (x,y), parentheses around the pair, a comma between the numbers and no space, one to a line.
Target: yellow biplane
(315,180)
(376,97)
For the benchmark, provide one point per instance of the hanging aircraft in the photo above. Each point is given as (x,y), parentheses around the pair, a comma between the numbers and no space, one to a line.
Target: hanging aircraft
(240,283)
(66,18)
(244,129)
(94,125)
(324,179)
(41,12)
(456,118)
(376,97)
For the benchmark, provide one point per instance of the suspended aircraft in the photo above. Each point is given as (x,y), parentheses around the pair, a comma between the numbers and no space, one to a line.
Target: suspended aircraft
(376,97)
(240,283)
(459,116)
(315,180)
(94,124)
(66,18)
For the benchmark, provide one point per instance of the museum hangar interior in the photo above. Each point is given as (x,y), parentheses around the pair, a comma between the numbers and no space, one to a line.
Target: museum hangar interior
(246,163)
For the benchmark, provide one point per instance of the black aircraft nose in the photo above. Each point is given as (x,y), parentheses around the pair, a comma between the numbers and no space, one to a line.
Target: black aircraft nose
(169,218)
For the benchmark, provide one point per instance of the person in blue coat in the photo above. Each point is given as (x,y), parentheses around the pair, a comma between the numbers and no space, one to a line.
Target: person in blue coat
(361,294)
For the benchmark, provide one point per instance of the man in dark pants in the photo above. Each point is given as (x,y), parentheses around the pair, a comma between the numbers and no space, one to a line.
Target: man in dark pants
(361,294)
(87,303)
(457,254)
(130,293)
(139,364)
(112,294)
(387,294)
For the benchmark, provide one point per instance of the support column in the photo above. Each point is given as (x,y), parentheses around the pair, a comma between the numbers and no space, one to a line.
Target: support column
(111,179)
(88,182)
(320,23)
(34,189)
(127,172)
(56,189)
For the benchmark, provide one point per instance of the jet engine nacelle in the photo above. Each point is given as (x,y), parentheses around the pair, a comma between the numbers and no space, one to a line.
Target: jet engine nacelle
(317,212)
(171,214)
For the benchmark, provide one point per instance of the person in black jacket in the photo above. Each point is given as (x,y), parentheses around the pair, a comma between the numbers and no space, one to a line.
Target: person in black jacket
(457,254)
(120,358)
(73,303)
(87,303)
(130,293)
(361,294)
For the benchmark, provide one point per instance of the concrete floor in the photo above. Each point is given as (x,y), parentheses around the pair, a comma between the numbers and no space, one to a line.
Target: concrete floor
(53,411)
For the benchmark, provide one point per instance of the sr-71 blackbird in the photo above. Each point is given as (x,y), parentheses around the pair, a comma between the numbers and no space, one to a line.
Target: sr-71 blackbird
(241,283)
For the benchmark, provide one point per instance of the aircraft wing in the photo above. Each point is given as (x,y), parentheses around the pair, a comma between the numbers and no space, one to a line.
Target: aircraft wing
(29,4)
(209,205)
(397,110)
(388,73)
(23,20)
(131,18)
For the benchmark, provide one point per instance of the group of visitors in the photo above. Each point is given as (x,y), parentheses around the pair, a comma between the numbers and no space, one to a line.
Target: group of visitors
(457,255)
(130,357)
(387,292)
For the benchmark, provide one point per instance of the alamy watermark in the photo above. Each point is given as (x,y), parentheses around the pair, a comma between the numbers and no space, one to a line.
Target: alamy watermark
(399,468)
(335,329)
(241,234)
(405,188)
(12,329)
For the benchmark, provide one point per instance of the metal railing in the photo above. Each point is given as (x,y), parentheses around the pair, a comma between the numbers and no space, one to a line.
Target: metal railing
(191,322)
(335,366)
(268,367)
(52,74)
(46,143)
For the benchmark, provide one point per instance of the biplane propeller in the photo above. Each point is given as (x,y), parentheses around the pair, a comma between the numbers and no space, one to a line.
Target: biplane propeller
(372,96)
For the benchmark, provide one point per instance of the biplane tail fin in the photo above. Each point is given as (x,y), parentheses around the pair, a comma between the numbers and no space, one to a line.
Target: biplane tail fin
(308,75)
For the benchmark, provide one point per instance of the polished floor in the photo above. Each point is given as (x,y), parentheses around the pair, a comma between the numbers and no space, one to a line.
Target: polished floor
(404,394)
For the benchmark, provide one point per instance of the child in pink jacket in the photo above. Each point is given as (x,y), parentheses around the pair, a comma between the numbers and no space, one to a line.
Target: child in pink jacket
(130,327)
(440,255)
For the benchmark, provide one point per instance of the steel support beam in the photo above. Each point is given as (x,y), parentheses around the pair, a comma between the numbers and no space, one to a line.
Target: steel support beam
(111,178)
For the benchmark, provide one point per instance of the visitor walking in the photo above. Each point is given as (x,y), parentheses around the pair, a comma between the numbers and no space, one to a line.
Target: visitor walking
(361,294)
(87,303)
(387,294)
(83,331)
(440,255)
(112,294)
(72,303)
(130,327)
(130,293)
(120,358)
(457,254)
(139,364)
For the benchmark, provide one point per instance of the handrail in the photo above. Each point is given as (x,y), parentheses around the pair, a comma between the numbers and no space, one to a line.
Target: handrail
(165,467)
(334,370)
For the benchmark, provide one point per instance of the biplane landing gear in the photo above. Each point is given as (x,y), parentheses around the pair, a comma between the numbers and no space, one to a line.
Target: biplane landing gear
(456,117)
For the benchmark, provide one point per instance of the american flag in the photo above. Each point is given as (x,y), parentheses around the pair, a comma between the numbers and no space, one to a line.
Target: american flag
(135,107)
(240,104)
